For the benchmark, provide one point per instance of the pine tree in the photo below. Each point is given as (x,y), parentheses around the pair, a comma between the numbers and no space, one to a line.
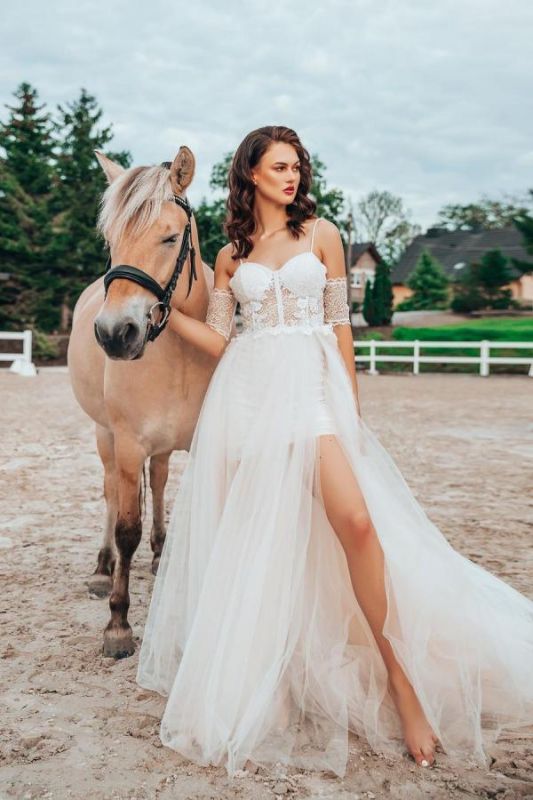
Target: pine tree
(467,294)
(494,277)
(26,170)
(382,294)
(484,284)
(429,284)
(369,309)
(524,223)
(79,255)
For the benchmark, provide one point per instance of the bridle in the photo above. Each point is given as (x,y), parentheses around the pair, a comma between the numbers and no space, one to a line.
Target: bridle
(163,295)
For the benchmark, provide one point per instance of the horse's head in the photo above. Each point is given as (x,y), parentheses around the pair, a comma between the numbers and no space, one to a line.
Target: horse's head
(144,225)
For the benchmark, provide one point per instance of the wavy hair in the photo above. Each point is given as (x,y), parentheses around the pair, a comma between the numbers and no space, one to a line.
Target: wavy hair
(240,220)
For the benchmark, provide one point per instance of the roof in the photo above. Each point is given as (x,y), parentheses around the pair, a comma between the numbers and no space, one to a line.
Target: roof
(358,248)
(454,247)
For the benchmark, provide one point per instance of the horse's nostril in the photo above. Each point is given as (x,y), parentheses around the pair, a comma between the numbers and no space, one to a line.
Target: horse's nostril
(129,333)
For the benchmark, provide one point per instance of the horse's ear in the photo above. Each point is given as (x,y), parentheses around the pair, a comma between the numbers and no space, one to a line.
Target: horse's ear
(111,168)
(182,170)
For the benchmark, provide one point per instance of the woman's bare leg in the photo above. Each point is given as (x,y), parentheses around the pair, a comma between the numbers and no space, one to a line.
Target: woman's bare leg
(347,512)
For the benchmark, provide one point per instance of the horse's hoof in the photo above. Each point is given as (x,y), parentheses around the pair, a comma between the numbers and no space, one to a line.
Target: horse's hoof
(155,564)
(118,644)
(100,586)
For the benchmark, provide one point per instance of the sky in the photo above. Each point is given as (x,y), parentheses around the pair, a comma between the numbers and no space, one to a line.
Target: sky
(432,102)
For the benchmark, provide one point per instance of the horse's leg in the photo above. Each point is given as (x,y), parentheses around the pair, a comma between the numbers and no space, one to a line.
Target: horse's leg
(100,582)
(129,459)
(158,480)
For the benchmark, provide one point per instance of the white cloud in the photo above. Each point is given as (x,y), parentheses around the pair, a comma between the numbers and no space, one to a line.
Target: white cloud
(429,102)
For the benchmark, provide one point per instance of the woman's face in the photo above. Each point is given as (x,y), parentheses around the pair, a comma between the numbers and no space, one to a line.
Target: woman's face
(277,171)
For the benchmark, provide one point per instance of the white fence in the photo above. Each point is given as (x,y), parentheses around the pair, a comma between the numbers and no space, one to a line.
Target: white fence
(22,363)
(484,359)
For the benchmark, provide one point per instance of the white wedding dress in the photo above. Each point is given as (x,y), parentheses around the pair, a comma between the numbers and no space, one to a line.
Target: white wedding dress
(253,631)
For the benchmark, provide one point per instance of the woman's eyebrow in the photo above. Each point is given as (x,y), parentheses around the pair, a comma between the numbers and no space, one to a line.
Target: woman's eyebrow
(284,163)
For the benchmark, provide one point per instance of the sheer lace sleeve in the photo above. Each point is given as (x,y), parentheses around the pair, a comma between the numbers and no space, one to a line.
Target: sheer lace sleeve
(220,311)
(336,310)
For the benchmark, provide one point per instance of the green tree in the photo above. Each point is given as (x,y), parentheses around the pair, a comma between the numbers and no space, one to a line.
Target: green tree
(78,255)
(382,293)
(27,142)
(485,214)
(26,174)
(484,284)
(524,223)
(380,218)
(369,307)
(494,277)
(429,284)
(467,293)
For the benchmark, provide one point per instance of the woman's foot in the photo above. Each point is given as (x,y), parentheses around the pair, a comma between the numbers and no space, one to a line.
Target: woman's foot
(418,733)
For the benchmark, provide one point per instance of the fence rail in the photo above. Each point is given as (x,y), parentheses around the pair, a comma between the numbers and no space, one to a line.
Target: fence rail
(484,359)
(21,361)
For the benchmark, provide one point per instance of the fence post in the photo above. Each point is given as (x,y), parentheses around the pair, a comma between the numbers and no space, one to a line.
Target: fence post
(416,356)
(373,370)
(26,346)
(484,358)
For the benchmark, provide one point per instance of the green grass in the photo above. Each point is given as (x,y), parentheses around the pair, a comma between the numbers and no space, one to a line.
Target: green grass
(504,329)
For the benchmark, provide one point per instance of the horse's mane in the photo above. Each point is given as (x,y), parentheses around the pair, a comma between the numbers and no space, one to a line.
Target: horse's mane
(133,201)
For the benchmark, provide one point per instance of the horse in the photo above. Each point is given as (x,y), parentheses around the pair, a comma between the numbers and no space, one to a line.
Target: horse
(141,383)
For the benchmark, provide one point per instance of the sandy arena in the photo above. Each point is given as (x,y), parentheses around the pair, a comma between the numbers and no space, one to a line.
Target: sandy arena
(76,725)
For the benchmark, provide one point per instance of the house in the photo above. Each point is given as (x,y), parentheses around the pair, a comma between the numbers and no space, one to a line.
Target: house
(363,257)
(456,249)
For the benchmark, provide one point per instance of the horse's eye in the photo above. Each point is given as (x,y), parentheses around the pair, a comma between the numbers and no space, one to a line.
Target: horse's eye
(171,239)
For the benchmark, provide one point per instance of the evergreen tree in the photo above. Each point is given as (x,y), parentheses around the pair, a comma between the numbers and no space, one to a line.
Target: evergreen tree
(369,309)
(78,254)
(524,223)
(27,142)
(494,277)
(26,170)
(429,284)
(382,294)
(484,284)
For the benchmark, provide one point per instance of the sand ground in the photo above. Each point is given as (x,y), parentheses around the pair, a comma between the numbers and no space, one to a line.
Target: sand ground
(76,725)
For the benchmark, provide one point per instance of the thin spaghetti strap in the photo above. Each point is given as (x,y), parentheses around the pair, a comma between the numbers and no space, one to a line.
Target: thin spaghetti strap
(313,234)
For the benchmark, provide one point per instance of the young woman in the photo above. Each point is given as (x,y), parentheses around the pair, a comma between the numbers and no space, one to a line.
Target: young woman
(302,591)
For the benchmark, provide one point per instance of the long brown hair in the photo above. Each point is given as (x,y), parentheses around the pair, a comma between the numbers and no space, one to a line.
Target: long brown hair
(240,221)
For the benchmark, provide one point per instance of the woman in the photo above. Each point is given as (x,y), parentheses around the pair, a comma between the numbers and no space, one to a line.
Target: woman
(302,591)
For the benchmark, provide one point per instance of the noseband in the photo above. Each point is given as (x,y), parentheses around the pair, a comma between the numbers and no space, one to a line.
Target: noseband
(163,295)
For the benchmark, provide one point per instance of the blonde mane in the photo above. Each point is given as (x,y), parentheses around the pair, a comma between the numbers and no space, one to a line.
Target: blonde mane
(134,201)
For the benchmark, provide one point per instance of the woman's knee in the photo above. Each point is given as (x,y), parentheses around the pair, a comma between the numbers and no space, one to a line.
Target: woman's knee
(356,529)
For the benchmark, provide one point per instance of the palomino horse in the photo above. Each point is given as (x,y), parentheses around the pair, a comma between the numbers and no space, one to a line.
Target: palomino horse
(144,396)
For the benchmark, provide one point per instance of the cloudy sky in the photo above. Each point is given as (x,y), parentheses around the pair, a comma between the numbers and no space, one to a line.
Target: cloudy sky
(432,102)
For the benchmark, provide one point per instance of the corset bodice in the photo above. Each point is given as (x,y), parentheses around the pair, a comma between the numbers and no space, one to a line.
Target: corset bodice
(292,295)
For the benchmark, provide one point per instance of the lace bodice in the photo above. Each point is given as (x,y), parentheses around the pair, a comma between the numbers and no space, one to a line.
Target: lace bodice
(297,295)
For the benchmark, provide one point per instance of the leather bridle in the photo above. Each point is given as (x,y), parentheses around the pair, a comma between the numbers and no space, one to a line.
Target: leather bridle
(137,275)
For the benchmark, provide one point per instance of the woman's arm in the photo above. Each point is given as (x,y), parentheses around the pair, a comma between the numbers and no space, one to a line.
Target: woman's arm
(213,334)
(336,309)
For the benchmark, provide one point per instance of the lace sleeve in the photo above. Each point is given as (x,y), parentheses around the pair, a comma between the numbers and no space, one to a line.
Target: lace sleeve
(336,310)
(220,311)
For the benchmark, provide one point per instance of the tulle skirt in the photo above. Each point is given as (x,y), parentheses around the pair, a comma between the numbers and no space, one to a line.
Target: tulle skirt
(254,633)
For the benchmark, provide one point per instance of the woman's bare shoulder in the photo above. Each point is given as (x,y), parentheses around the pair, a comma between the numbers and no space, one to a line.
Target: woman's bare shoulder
(225,264)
